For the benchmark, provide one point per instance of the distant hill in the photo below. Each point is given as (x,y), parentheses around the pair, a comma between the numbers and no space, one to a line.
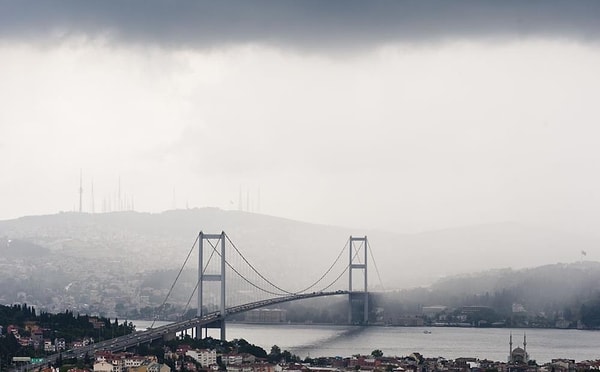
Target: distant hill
(536,287)
(279,246)
(548,294)
(21,249)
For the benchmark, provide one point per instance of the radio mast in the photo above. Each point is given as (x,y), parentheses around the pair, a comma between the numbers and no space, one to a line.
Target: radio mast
(80,191)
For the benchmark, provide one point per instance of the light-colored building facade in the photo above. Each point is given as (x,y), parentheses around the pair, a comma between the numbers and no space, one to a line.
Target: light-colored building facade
(103,366)
(150,366)
(266,316)
(203,356)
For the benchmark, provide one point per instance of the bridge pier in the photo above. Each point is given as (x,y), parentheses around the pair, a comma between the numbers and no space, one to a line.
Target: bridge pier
(358,296)
(204,277)
(202,331)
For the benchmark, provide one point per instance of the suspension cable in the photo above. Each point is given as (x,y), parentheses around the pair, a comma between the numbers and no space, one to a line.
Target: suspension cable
(175,281)
(347,267)
(245,279)
(357,251)
(335,281)
(254,269)
(283,291)
(375,264)
(198,282)
(328,270)
(190,299)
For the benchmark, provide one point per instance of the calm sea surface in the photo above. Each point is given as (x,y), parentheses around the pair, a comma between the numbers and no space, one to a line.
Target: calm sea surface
(483,343)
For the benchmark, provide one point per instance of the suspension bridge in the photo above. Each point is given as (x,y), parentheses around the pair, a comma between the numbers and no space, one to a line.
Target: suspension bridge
(229,284)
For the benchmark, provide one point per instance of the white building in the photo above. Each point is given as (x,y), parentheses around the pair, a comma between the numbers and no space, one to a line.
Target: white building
(48,347)
(103,366)
(134,361)
(204,356)
(236,359)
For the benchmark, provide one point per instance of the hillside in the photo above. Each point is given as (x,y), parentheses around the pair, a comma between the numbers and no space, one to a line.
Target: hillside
(111,260)
(144,240)
(540,295)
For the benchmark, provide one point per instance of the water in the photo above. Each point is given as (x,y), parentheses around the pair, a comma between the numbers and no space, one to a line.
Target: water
(483,343)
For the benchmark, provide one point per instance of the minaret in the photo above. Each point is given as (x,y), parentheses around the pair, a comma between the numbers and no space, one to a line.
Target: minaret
(525,346)
(510,359)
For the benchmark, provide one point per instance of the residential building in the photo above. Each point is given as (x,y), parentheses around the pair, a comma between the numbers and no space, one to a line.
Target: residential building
(60,344)
(151,366)
(266,316)
(103,366)
(48,346)
(236,359)
(203,356)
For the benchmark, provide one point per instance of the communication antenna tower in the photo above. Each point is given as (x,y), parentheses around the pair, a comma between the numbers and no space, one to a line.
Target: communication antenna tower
(93,200)
(80,191)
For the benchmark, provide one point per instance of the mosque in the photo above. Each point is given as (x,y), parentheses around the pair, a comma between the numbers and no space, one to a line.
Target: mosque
(518,355)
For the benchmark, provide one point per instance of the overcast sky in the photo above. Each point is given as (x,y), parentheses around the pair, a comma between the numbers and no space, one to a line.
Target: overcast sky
(399,115)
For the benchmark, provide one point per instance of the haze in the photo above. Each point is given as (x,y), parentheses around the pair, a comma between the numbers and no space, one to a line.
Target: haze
(404,116)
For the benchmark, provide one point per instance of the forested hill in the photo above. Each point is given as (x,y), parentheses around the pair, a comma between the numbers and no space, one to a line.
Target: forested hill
(540,284)
(569,292)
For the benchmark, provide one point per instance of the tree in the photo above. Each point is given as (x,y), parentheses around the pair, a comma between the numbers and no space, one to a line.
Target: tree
(275,354)
(289,357)
(590,314)
(86,359)
(244,346)
(377,353)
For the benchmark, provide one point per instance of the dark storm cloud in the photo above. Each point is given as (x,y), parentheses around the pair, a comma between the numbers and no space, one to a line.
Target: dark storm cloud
(309,23)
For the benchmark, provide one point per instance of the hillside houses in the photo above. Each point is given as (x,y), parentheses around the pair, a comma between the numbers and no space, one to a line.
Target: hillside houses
(32,335)
(127,362)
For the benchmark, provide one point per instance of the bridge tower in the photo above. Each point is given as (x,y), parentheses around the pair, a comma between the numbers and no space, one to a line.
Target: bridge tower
(356,297)
(219,277)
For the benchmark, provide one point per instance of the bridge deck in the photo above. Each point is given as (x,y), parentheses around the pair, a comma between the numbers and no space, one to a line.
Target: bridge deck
(140,337)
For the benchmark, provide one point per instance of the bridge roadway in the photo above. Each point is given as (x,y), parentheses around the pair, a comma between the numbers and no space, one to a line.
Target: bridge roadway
(139,337)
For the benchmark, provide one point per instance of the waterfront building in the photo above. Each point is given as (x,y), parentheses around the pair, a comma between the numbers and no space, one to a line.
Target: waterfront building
(432,311)
(266,316)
